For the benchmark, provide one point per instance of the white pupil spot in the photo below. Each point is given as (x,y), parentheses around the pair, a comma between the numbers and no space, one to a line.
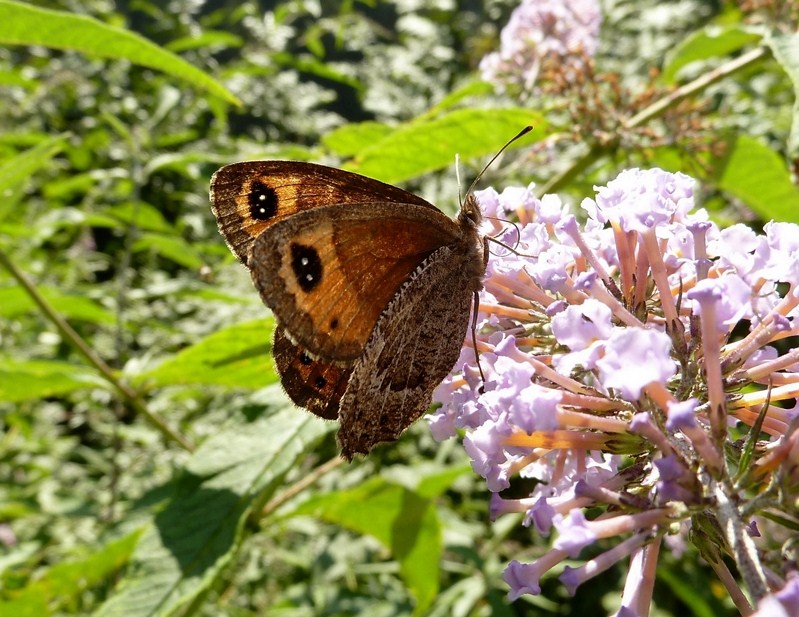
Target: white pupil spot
(261,197)
(304,261)
(309,277)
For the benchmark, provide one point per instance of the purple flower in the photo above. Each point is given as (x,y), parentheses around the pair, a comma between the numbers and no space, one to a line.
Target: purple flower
(641,199)
(489,459)
(616,355)
(788,596)
(731,296)
(634,359)
(682,415)
(522,578)
(578,326)
(539,30)
(782,242)
(784,603)
(672,474)
(573,533)
(542,515)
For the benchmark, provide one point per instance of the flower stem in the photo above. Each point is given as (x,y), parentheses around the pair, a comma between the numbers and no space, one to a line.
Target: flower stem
(742,546)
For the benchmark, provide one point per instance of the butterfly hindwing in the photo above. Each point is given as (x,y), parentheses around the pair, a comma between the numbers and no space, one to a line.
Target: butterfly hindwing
(312,384)
(407,357)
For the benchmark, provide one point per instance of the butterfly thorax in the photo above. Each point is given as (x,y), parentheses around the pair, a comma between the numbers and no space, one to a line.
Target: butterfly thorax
(469,218)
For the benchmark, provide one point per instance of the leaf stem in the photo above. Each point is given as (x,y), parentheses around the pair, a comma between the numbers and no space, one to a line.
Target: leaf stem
(700,83)
(127,393)
(301,485)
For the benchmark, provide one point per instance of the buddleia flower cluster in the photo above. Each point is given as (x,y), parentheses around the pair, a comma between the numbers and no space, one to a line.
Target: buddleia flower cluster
(538,31)
(639,366)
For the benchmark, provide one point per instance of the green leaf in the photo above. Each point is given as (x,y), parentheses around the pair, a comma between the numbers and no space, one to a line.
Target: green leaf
(710,42)
(237,357)
(786,51)
(349,139)
(199,533)
(16,78)
(141,215)
(435,484)
(684,587)
(19,169)
(173,248)
(65,187)
(64,583)
(14,301)
(424,146)
(476,88)
(429,480)
(215,39)
(33,379)
(758,176)
(308,64)
(403,521)
(22,24)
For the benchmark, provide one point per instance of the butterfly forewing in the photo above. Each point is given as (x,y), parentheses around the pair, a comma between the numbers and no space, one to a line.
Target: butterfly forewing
(329,273)
(249,197)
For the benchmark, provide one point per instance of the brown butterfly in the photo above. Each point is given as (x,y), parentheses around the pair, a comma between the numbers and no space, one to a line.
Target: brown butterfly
(371,286)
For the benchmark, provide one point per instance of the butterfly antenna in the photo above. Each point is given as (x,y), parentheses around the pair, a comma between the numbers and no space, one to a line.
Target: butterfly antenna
(476,299)
(458,177)
(520,134)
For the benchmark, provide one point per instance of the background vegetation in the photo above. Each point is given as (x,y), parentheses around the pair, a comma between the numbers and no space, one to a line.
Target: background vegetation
(149,461)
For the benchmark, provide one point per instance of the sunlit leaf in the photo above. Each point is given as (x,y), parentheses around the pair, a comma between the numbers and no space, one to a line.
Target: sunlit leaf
(140,215)
(210,38)
(20,168)
(403,521)
(33,379)
(191,541)
(14,301)
(759,177)
(424,146)
(62,585)
(350,139)
(786,51)
(23,24)
(238,356)
(173,248)
(474,88)
(69,186)
(710,42)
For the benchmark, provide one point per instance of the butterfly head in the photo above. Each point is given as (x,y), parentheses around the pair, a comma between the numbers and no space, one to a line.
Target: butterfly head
(470,214)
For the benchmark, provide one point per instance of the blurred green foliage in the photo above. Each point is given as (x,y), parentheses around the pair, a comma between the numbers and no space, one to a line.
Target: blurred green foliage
(113,116)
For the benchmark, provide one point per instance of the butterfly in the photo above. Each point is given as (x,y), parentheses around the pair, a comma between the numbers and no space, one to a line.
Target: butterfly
(371,286)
